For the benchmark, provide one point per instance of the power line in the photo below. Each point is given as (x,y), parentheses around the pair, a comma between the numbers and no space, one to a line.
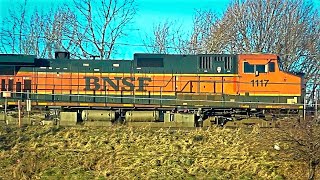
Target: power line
(90,41)
(139,45)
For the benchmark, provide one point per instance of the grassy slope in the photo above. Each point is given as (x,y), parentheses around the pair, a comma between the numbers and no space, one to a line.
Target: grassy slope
(140,153)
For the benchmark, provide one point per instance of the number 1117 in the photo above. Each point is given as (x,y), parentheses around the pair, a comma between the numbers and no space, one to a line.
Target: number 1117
(261,83)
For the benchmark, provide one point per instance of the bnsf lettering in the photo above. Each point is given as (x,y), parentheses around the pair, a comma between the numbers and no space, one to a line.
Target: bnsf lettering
(126,83)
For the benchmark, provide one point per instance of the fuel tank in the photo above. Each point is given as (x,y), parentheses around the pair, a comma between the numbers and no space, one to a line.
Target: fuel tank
(98,115)
(142,116)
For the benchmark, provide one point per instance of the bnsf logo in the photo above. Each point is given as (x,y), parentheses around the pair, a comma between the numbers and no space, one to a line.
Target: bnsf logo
(125,83)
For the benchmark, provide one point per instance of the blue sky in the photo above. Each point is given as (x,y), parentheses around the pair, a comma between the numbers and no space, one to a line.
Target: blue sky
(150,12)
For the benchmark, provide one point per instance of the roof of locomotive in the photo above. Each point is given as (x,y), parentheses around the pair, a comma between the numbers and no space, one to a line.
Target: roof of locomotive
(142,62)
(17,59)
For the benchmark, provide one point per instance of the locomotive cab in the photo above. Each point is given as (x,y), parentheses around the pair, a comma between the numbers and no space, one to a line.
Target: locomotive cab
(261,80)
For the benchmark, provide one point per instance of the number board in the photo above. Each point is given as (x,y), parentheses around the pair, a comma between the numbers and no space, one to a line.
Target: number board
(259,83)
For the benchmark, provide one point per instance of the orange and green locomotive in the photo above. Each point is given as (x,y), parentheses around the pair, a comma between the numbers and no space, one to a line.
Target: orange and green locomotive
(217,84)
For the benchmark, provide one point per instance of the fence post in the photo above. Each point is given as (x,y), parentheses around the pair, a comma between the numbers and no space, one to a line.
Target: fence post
(19,113)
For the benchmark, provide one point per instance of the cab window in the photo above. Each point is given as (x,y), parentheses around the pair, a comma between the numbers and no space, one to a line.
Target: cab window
(271,67)
(248,68)
(260,68)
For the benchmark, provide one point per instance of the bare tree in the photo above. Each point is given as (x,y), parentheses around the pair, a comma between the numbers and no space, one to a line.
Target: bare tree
(283,27)
(300,141)
(289,28)
(166,38)
(202,25)
(12,30)
(159,42)
(46,32)
(30,31)
(170,37)
(85,28)
(99,25)
(59,33)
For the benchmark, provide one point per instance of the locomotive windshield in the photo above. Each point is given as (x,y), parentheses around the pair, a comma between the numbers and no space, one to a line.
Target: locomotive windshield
(261,68)
(271,67)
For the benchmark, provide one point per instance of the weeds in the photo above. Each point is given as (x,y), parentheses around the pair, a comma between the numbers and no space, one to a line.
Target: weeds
(139,153)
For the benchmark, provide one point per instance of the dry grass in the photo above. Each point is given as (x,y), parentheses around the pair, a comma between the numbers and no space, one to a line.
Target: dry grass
(140,153)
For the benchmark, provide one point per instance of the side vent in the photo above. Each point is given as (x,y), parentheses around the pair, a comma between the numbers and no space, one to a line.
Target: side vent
(62,55)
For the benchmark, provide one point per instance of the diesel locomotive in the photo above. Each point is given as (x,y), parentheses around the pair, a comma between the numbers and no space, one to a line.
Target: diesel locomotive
(176,90)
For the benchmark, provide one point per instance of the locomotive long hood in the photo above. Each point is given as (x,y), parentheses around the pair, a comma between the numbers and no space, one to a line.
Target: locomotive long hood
(20,60)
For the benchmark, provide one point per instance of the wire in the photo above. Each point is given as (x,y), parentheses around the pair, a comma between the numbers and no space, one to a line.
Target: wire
(150,46)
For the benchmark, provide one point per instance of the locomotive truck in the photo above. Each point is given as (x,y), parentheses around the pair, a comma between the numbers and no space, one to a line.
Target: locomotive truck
(155,89)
